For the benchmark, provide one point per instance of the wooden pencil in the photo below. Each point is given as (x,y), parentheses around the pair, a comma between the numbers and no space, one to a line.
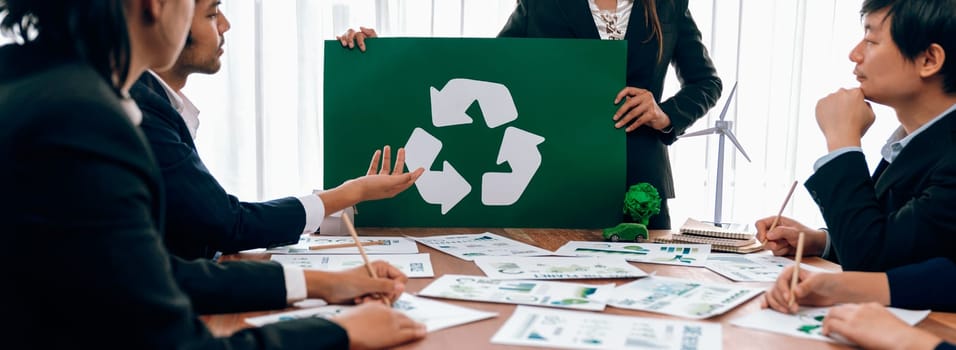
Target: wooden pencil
(776,220)
(371,271)
(344,245)
(796,270)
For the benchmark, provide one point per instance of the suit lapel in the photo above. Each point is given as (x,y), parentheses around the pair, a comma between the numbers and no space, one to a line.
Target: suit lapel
(880,168)
(153,100)
(636,30)
(927,147)
(578,13)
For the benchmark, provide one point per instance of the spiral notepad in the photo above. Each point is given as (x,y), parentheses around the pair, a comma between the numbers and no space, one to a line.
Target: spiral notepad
(707,229)
(742,246)
(689,238)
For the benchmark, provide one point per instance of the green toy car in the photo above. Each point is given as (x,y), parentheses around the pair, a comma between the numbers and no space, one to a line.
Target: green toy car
(640,203)
(626,232)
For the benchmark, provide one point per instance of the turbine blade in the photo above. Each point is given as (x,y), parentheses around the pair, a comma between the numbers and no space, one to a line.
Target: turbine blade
(727,103)
(730,134)
(707,131)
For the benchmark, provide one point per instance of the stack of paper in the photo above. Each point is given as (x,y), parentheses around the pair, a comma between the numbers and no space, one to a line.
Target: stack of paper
(733,238)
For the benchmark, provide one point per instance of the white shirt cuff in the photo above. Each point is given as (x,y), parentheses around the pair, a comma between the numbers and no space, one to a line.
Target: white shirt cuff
(832,155)
(826,247)
(314,212)
(294,284)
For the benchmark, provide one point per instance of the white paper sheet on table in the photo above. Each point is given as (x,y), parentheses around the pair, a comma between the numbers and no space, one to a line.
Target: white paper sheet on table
(434,314)
(751,267)
(412,265)
(552,268)
(807,322)
(552,328)
(542,293)
(652,253)
(469,246)
(392,245)
(679,297)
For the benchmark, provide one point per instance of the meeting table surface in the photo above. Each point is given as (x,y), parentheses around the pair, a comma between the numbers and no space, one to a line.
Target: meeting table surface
(477,335)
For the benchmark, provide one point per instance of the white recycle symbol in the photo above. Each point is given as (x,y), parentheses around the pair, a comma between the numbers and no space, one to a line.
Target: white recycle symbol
(518,147)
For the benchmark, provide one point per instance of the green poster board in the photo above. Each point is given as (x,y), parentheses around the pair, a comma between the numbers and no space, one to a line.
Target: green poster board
(513,132)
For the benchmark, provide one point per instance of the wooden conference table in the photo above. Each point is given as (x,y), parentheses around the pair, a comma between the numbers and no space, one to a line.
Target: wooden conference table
(478,335)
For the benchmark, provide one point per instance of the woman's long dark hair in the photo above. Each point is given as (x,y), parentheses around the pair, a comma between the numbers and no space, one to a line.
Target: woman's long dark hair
(652,20)
(92,30)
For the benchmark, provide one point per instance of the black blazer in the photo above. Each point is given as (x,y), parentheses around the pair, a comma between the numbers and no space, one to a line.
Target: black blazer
(647,159)
(201,217)
(927,285)
(83,260)
(901,215)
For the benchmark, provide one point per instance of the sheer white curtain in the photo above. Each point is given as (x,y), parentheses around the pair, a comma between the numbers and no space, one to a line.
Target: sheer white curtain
(261,131)
(261,121)
(786,55)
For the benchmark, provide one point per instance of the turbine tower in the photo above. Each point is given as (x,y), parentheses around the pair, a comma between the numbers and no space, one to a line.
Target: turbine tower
(723,128)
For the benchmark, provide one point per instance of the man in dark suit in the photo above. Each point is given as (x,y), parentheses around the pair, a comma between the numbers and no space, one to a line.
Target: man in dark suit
(903,213)
(83,203)
(202,217)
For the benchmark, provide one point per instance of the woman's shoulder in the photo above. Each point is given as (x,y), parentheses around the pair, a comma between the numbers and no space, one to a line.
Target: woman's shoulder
(67,104)
(66,90)
(678,6)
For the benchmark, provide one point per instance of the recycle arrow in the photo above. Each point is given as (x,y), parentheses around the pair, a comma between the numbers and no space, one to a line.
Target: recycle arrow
(520,149)
(449,106)
(446,187)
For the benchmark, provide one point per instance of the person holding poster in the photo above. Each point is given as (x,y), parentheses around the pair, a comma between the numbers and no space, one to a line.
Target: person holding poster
(659,33)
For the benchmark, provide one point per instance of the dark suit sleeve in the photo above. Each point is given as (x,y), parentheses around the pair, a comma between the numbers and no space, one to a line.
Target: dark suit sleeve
(700,86)
(233,286)
(868,236)
(202,217)
(928,285)
(517,25)
(85,197)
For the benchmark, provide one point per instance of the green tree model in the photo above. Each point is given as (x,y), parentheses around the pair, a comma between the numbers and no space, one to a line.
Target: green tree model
(640,203)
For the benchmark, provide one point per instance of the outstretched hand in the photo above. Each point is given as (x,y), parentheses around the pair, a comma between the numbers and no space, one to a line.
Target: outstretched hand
(379,183)
(382,180)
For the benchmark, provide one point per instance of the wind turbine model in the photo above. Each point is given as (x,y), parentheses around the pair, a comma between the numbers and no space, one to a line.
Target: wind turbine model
(722,128)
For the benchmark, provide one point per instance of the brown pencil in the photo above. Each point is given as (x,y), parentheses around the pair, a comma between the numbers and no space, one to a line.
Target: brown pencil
(796,269)
(344,245)
(776,220)
(371,271)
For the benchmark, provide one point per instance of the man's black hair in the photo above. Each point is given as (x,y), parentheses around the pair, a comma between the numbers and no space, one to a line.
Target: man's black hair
(917,24)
